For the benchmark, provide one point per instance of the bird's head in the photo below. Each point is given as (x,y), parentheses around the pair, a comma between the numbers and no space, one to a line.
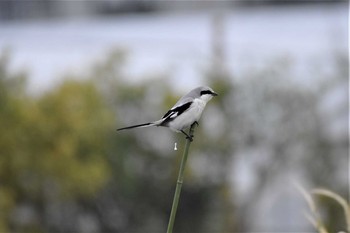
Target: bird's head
(205,93)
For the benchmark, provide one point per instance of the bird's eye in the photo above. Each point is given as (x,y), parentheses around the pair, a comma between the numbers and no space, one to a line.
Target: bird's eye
(206,92)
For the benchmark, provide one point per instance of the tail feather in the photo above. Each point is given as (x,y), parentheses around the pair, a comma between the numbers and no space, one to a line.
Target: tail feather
(138,126)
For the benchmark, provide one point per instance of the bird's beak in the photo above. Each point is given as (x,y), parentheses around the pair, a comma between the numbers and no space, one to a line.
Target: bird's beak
(214,94)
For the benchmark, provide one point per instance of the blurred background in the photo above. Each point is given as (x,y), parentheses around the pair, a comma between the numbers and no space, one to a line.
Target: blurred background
(71,72)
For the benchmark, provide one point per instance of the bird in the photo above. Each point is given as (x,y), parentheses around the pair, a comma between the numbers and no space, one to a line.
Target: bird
(186,111)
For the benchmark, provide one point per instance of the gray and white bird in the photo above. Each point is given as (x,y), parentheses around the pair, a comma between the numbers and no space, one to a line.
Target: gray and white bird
(184,113)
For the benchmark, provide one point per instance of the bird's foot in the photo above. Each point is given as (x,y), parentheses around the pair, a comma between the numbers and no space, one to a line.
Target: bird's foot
(195,123)
(189,137)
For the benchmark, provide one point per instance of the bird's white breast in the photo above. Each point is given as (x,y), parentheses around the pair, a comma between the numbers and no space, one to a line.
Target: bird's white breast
(187,118)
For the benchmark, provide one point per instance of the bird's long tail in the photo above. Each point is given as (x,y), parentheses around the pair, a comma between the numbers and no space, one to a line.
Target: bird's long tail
(140,125)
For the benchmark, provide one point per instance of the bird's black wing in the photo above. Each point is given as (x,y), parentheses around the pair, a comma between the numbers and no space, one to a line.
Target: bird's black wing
(174,112)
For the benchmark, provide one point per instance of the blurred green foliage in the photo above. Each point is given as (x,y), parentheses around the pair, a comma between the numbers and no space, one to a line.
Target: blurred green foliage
(63,168)
(52,147)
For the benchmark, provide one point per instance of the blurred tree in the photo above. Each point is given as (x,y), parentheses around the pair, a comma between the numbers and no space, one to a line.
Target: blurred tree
(279,127)
(13,116)
(52,151)
(328,165)
(72,143)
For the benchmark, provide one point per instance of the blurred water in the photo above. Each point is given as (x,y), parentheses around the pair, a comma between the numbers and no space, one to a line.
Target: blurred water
(177,43)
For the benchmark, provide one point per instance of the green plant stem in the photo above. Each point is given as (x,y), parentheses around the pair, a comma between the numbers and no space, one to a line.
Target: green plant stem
(179,182)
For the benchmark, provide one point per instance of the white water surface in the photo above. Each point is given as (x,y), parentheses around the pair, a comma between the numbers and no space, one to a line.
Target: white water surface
(178,44)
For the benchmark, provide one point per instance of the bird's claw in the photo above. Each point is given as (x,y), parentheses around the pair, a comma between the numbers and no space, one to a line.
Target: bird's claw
(190,138)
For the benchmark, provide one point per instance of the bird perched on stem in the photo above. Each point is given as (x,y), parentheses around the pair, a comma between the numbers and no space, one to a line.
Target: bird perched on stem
(184,113)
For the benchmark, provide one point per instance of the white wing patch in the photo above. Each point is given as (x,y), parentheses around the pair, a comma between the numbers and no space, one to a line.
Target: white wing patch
(173,115)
